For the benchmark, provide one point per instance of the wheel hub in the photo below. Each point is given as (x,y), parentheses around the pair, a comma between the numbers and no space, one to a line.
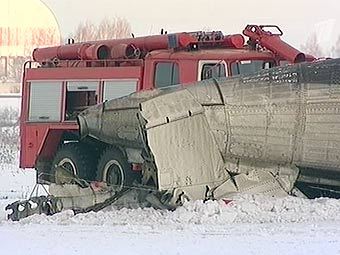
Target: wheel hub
(68,164)
(114,175)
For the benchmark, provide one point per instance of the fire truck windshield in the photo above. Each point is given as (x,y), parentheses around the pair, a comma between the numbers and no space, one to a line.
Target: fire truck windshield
(250,66)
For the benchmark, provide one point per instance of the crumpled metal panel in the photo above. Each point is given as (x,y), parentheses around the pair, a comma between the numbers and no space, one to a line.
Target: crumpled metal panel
(184,149)
(169,107)
(115,121)
(206,92)
(217,120)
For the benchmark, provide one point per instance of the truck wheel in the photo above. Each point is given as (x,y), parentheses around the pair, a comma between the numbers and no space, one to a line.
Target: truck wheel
(75,158)
(114,169)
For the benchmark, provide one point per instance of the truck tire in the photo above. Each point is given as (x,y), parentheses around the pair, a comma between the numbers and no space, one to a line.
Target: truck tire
(76,158)
(114,169)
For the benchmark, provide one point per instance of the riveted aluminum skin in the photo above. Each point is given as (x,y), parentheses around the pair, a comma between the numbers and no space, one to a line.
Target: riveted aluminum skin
(276,119)
(285,115)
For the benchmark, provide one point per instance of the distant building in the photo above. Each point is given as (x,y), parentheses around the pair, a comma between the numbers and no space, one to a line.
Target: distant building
(24,25)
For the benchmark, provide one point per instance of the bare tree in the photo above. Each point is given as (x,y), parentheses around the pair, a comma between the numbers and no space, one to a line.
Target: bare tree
(336,48)
(43,37)
(9,135)
(85,32)
(37,38)
(106,29)
(14,67)
(312,46)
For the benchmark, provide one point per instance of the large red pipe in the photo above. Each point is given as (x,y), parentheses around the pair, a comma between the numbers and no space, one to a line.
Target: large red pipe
(78,51)
(274,43)
(84,50)
(129,51)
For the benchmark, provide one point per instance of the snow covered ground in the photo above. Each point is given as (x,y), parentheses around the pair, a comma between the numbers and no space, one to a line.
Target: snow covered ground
(290,238)
(248,225)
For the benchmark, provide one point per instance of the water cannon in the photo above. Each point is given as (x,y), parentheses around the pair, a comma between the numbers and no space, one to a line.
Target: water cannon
(269,37)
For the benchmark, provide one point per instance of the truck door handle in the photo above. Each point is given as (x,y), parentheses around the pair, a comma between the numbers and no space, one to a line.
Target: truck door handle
(44,117)
(82,87)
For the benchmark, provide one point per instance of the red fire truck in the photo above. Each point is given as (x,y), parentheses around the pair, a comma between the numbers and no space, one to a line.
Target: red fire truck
(64,80)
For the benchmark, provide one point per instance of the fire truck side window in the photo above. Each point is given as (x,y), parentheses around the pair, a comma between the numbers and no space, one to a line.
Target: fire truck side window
(249,66)
(213,70)
(119,88)
(79,96)
(166,74)
(45,101)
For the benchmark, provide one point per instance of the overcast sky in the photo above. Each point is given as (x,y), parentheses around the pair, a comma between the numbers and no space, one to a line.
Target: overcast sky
(297,18)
